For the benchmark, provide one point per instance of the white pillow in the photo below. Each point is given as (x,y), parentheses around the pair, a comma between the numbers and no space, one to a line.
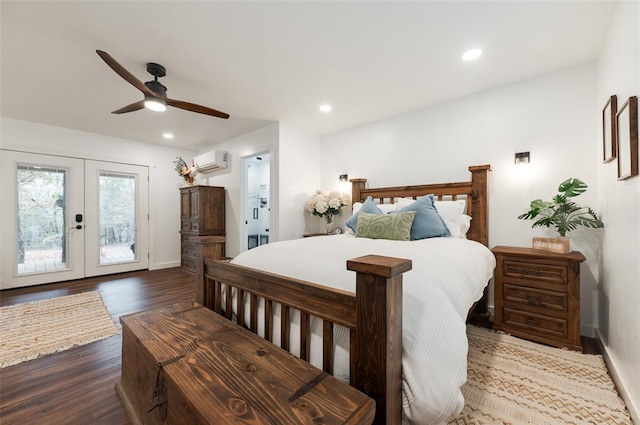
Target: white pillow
(452,212)
(385,208)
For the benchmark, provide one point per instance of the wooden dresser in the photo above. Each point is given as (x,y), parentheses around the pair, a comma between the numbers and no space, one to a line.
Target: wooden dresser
(202,214)
(537,295)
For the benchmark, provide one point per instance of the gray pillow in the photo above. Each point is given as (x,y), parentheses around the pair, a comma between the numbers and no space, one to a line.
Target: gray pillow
(427,223)
(368,207)
(396,227)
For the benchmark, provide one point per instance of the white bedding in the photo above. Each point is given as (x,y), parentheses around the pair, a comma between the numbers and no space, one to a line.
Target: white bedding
(448,276)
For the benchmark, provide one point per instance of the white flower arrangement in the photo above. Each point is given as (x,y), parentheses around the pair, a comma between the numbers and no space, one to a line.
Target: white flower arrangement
(326,203)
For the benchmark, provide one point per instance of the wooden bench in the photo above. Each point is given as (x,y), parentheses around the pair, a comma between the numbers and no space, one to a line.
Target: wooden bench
(184,364)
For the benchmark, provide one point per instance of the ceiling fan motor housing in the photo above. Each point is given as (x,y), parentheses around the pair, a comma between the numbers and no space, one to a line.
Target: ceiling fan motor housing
(157,88)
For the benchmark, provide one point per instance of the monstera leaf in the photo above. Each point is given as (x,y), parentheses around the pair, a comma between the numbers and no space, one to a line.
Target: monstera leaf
(572,187)
(564,215)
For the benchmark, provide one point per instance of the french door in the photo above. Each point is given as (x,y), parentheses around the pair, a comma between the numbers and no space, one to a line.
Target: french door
(68,218)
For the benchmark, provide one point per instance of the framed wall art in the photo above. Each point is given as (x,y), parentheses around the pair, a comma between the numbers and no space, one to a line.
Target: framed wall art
(609,129)
(627,138)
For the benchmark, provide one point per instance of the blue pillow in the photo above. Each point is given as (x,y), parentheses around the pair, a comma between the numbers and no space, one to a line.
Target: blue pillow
(427,223)
(368,207)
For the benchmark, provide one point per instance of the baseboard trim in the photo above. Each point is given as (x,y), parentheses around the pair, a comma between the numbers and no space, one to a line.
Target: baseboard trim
(588,331)
(166,265)
(619,381)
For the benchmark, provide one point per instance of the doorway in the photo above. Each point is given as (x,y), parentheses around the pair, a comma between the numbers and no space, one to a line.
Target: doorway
(257,200)
(69,218)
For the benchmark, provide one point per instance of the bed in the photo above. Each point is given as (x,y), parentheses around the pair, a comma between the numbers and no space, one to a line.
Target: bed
(303,296)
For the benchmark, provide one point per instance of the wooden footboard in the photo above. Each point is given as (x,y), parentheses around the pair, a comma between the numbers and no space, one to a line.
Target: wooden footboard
(373,316)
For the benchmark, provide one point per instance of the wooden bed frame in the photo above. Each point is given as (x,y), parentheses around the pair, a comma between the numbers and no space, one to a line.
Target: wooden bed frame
(375,351)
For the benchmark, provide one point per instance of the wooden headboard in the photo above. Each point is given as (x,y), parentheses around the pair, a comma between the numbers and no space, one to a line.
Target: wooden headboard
(475,192)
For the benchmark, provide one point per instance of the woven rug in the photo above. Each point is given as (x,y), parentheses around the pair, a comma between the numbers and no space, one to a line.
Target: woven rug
(32,330)
(514,381)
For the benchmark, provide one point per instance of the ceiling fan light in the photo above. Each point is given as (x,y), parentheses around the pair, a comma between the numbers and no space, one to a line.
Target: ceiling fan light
(154,104)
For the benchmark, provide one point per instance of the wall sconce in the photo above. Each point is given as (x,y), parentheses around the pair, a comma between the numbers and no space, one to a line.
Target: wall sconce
(522,158)
(343,178)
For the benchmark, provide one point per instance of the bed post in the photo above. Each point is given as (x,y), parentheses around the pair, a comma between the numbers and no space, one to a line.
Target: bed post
(356,186)
(206,247)
(479,227)
(376,367)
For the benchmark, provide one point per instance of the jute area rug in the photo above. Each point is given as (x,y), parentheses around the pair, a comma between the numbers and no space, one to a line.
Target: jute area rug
(32,330)
(514,381)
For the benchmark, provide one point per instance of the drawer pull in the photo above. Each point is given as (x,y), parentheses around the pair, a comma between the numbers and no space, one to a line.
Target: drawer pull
(532,272)
(532,299)
(532,321)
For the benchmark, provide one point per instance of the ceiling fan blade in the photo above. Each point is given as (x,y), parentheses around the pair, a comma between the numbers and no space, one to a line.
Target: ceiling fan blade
(130,108)
(121,71)
(196,108)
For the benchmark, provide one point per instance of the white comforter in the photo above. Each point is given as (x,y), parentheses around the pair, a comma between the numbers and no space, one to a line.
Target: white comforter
(448,276)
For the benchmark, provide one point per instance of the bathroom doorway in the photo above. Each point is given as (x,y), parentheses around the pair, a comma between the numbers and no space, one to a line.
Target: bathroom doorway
(257,200)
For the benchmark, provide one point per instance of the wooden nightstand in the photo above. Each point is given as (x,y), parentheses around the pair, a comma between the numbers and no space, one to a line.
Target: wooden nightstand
(537,295)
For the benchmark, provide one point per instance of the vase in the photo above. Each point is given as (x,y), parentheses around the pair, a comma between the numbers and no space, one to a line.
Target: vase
(189,180)
(330,225)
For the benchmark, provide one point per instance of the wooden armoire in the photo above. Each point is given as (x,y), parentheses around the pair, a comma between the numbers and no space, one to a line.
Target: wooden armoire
(201,215)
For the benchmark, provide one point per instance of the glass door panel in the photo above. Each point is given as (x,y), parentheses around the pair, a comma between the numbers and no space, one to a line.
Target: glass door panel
(41,219)
(117,215)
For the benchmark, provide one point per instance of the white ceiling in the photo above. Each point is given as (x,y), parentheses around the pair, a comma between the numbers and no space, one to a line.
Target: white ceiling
(276,61)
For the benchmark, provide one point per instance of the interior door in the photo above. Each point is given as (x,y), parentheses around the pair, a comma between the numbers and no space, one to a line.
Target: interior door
(256,200)
(68,218)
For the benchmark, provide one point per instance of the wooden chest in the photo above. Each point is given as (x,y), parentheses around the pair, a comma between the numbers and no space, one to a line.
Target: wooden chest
(184,364)
(537,295)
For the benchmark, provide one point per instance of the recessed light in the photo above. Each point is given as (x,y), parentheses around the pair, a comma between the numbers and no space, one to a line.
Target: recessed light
(472,54)
(167,135)
(325,108)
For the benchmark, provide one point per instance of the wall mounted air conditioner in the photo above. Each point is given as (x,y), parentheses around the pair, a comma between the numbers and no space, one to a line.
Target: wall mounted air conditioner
(210,161)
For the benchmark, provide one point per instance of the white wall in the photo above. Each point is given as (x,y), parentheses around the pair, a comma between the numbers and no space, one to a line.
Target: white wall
(551,116)
(164,197)
(300,159)
(264,139)
(619,202)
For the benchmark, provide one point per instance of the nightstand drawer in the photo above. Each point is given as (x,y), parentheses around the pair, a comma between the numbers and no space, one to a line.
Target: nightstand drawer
(536,324)
(557,301)
(535,271)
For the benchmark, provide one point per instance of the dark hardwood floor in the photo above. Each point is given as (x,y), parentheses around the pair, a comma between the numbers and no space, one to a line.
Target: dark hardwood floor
(77,386)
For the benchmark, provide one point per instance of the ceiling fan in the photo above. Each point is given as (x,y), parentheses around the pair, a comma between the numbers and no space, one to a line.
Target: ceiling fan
(155,97)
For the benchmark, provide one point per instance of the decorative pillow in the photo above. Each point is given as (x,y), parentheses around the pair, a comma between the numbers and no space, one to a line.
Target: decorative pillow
(427,223)
(395,227)
(452,212)
(368,207)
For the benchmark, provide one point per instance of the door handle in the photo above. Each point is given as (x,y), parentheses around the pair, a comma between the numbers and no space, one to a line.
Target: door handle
(79,226)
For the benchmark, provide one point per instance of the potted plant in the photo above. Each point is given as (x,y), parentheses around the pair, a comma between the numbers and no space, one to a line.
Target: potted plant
(563,214)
